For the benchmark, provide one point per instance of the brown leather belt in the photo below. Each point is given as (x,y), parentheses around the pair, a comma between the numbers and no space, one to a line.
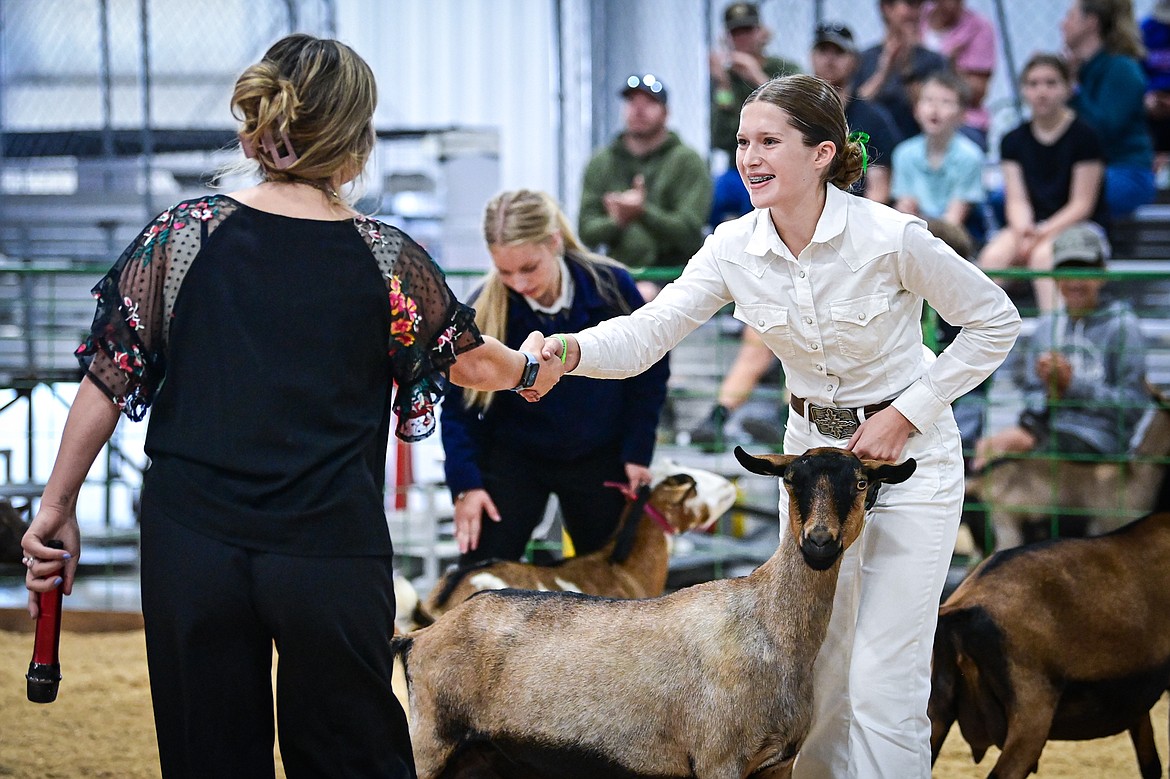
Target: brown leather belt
(835,422)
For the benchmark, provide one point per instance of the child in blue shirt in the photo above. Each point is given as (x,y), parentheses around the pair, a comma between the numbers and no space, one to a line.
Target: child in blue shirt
(938,174)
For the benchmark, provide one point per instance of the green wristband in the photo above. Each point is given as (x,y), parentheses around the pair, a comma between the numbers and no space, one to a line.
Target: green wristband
(564,347)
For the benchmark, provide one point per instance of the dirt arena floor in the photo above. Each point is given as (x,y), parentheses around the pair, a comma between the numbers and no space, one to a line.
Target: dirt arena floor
(101,726)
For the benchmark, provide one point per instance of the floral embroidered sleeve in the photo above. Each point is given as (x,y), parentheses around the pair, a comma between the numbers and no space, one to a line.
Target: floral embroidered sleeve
(123,352)
(429,328)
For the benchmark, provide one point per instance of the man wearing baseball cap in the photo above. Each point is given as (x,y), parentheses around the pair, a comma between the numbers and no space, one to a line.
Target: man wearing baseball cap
(835,58)
(737,68)
(645,196)
(1083,370)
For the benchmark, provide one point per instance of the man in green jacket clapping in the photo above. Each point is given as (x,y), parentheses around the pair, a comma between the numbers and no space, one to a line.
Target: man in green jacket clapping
(646,196)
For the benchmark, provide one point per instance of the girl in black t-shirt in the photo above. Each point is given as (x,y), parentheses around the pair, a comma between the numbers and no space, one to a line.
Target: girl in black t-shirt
(1053,173)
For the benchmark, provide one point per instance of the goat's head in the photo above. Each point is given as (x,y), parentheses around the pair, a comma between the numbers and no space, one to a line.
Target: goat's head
(12,529)
(690,498)
(827,489)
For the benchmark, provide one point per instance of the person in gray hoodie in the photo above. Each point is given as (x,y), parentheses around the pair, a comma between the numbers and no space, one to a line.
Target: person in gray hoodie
(1083,370)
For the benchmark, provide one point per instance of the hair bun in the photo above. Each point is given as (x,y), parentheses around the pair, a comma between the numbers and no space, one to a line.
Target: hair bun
(850,164)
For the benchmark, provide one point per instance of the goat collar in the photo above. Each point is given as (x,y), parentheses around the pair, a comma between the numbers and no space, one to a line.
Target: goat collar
(652,512)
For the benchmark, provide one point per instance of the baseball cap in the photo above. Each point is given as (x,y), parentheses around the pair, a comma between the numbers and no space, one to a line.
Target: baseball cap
(648,84)
(1081,245)
(739,15)
(836,34)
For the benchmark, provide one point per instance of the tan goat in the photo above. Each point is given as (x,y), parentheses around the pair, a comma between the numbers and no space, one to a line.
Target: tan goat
(1109,494)
(1066,639)
(711,682)
(632,565)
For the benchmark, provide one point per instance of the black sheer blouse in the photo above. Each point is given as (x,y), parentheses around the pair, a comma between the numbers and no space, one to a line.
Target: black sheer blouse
(266,348)
(125,351)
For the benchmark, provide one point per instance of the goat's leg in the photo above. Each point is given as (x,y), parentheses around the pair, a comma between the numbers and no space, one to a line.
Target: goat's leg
(1007,529)
(1142,735)
(431,758)
(431,753)
(1028,723)
(940,726)
(941,706)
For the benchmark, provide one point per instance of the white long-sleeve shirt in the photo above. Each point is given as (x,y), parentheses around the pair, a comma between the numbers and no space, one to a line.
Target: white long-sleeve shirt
(844,316)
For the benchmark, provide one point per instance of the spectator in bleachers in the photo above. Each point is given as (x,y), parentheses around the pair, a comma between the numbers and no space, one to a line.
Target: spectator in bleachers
(738,66)
(646,195)
(835,59)
(1053,174)
(504,456)
(1083,370)
(1105,50)
(273,334)
(938,174)
(891,72)
(1156,38)
(967,40)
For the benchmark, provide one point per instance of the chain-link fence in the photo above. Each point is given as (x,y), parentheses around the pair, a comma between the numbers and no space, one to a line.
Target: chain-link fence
(104,104)
(89,64)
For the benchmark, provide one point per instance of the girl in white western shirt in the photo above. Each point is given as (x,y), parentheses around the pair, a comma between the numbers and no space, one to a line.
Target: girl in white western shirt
(835,284)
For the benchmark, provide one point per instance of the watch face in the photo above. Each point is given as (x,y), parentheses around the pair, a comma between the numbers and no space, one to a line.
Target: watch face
(530,371)
(528,377)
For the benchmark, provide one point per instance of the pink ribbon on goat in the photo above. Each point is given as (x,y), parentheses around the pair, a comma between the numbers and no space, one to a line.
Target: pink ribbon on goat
(654,513)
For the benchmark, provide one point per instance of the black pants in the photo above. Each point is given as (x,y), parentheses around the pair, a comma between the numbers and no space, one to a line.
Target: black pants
(520,485)
(213,612)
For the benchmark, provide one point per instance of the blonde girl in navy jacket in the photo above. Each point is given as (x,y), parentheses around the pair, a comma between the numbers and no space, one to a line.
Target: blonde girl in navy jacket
(505,456)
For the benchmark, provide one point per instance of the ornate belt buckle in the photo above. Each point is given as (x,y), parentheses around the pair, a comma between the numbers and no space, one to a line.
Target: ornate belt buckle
(834,422)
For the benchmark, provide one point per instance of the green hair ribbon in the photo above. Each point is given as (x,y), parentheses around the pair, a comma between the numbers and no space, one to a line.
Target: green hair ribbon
(861,138)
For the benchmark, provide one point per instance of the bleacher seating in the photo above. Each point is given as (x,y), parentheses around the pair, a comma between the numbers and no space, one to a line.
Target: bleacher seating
(53,249)
(1143,236)
(69,230)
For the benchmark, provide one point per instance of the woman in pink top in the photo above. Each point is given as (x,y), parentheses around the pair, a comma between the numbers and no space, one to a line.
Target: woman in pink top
(968,41)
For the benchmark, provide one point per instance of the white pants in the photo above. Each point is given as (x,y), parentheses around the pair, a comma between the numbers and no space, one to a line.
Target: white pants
(872,676)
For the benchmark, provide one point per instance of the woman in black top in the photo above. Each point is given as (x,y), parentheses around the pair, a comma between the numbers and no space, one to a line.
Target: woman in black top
(1053,172)
(266,329)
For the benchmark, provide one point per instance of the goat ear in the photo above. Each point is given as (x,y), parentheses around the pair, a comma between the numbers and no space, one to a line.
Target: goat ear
(889,473)
(766,465)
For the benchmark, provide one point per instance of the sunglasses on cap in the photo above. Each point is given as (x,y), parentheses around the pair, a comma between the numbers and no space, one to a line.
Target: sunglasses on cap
(648,81)
(835,30)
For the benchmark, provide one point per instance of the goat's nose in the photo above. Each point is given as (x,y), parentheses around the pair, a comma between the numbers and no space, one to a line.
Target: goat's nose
(820,538)
(820,549)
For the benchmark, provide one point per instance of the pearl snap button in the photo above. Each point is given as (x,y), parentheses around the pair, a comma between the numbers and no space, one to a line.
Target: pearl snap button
(808,320)
(815,347)
(802,274)
(861,317)
(821,368)
(761,323)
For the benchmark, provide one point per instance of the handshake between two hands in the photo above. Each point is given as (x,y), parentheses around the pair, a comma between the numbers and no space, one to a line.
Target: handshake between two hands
(552,363)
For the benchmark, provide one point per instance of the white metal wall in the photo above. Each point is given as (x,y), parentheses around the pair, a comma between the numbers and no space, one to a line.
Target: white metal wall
(444,63)
(499,63)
